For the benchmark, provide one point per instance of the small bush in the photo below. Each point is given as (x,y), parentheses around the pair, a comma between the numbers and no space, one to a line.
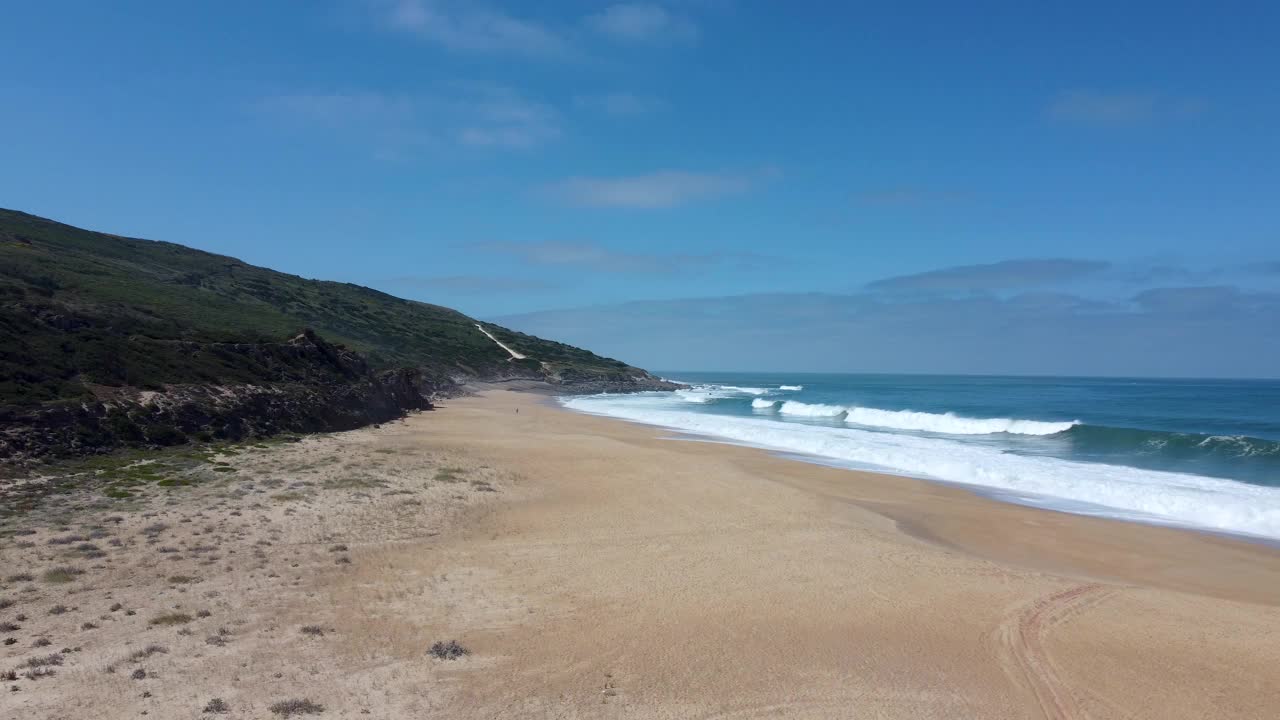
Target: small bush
(314,630)
(139,674)
(64,574)
(9,626)
(286,708)
(58,609)
(5,603)
(42,642)
(20,577)
(88,626)
(183,579)
(451,650)
(9,675)
(450,474)
(146,652)
(43,661)
(171,619)
(338,548)
(39,672)
(116,606)
(217,706)
(203,614)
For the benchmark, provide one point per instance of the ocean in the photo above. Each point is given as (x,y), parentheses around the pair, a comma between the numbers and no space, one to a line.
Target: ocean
(1203,454)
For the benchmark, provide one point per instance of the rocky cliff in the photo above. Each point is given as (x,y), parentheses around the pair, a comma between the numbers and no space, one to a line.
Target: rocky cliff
(306,385)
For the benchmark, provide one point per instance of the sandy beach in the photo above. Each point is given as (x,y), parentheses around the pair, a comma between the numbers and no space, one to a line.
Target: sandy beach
(597,569)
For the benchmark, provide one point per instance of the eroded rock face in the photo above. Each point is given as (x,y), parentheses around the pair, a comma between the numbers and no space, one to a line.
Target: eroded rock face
(308,385)
(300,386)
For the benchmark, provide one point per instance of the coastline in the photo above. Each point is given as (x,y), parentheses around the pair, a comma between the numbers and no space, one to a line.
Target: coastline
(966,522)
(610,572)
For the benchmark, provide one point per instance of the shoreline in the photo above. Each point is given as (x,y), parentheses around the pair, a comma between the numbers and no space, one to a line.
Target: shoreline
(944,532)
(593,568)
(1047,478)
(997,495)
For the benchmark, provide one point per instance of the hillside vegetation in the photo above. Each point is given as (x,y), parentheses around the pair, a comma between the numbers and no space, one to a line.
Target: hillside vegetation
(79,307)
(89,317)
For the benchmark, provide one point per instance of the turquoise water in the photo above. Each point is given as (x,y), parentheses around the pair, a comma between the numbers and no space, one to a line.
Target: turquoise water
(1200,453)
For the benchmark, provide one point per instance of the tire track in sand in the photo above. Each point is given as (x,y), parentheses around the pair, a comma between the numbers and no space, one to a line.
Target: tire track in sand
(1019,644)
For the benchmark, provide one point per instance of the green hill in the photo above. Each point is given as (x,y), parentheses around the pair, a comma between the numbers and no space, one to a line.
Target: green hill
(85,314)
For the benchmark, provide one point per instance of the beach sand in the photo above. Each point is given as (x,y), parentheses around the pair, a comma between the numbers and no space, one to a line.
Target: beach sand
(599,569)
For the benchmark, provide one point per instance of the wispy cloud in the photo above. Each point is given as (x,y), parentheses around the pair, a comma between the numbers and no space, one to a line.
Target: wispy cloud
(599,258)
(1006,275)
(339,109)
(472,284)
(1119,109)
(482,28)
(664,189)
(906,197)
(500,117)
(622,104)
(643,22)
(466,115)
(473,28)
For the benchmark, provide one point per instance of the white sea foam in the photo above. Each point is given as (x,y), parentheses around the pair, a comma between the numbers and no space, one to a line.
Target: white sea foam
(762,404)
(1068,485)
(947,423)
(950,423)
(791,388)
(813,410)
(706,393)
(743,390)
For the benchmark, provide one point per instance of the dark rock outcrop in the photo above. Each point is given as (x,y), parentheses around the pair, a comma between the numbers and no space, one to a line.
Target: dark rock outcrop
(307,385)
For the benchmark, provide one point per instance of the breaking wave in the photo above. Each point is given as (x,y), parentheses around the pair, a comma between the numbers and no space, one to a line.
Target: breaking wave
(1094,488)
(944,423)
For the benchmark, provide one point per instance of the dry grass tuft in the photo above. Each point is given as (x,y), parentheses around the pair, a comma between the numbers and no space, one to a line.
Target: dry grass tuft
(287,708)
(62,574)
(171,619)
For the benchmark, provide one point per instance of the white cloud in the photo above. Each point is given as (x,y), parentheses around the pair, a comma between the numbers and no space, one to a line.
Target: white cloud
(600,258)
(664,189)
(470,28)
(620,104)
(473,284)
(503,118)
(472,116)
(1119,109)
(339,108)
(643,22)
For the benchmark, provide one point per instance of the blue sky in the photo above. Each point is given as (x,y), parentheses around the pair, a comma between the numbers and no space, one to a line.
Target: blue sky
(516,159)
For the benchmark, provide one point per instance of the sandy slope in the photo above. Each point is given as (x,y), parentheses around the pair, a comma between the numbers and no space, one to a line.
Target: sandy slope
(618,574)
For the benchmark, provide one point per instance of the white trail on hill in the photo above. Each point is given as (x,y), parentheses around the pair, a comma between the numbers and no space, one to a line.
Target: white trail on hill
(514,355)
